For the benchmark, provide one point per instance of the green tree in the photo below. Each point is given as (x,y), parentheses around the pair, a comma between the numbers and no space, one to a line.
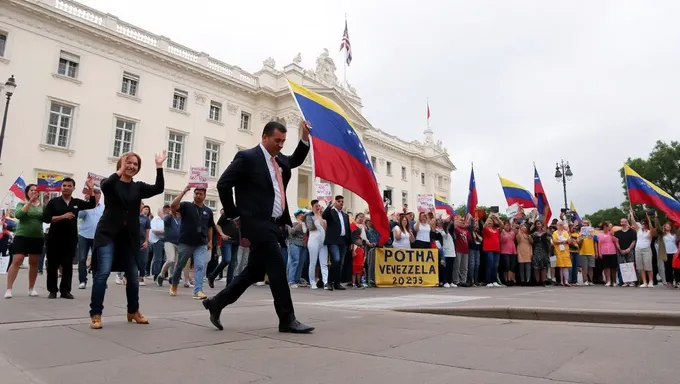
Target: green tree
(613,215)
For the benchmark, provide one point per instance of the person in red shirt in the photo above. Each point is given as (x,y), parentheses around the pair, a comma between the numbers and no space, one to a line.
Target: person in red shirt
(491,245)
(460,264)
(357,263)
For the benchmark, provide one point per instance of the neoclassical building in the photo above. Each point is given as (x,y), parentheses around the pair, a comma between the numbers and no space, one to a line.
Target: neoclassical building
(91,87)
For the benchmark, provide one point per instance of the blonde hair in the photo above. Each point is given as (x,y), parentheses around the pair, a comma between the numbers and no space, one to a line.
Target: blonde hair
(124,155)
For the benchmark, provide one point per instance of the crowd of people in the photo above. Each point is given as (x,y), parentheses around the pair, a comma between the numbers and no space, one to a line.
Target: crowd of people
(321,248)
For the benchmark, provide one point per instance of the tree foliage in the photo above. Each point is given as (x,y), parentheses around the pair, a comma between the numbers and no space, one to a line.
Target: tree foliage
(613,215)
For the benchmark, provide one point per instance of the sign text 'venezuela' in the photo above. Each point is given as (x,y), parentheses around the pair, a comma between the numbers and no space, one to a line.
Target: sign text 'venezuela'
(406,267)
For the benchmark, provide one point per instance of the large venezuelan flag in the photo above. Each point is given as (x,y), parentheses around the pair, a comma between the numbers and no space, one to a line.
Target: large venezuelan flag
(515,193)
(574,212)
(440,203)
(641,191)
(339,156)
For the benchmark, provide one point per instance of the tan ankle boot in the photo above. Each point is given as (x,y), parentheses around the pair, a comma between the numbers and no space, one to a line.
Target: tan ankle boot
(137,317)
(96,322)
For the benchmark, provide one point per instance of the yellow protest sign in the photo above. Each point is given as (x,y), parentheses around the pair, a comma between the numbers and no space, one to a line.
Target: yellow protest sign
(406,267)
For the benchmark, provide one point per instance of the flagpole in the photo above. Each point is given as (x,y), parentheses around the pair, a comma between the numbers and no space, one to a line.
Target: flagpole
(630,205)
(344,62)
(311,142)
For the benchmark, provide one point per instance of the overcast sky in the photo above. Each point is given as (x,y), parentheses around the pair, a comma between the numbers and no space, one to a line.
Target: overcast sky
(509,82)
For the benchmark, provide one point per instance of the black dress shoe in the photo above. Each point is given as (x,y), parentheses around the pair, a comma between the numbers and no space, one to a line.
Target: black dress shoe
(67,295)
(211,282)
(295,327)
(52,295)
(214,314)
(339,287)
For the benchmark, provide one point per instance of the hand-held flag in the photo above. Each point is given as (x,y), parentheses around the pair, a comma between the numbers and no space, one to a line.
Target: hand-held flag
(339,155)
(542,204)
(641,191)
(515,193)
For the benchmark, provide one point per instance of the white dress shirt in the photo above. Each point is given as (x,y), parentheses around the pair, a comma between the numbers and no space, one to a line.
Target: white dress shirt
(342,221)
(277,209)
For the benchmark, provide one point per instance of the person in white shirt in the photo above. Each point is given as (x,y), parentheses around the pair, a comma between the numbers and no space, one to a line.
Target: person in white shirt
(422,230)
(643,251)
(448,247)
(156,241)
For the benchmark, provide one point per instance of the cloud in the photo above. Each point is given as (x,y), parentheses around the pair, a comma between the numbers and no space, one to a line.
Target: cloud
(509,83)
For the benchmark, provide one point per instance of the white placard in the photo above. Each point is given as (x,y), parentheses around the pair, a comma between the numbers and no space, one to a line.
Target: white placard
(97,181)
(323,192)
(198,178)
(628,273)
(426,202)
(512,210)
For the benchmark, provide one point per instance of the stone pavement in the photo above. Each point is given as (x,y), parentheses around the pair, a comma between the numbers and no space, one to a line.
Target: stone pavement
(359,339)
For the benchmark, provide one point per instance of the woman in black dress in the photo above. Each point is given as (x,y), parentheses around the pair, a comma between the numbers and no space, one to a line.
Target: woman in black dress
(116,240)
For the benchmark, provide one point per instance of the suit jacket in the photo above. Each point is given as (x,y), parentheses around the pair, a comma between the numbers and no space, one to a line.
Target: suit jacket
(248,175)
(333,228)
(120,222)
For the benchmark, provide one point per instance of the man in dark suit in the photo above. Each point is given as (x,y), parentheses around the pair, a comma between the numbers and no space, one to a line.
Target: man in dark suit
(338,237)
(259,177)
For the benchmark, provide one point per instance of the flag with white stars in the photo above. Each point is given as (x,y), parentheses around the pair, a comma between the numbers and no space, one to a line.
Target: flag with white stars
(339,155)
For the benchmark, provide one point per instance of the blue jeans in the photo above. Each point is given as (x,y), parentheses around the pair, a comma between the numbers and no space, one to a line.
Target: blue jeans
(228,251)
(158,258)
(573,273)
(294,253)
(284,253)
(491,259)
(101,275)
(337,253)
(200,254)
(473,266)
(141,262)
(84,247)
(304,262)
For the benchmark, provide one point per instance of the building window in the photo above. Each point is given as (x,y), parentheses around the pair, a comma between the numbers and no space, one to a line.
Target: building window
(3,43)
(404,198)
(374,162)
(245,121)
(130,84)
(215,111)
(387,196)
(389,168)
(59,126)
(179,100)
(211,203)
(403,173)
(422,178)
(175,150)
(212,157)
(169,197)
(68,65)
(122,141)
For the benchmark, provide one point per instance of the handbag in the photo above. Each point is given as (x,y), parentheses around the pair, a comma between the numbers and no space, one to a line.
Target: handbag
(676,260)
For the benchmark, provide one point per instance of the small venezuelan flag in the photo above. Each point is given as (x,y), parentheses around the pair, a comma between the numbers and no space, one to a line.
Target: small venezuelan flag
(49,182)
(515,193)
(641,191)
(440,203)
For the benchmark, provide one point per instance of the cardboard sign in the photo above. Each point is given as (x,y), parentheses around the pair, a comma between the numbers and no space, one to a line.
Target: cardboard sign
(323,192)
(198,177)
(97,181)
(426,202)
(406,267)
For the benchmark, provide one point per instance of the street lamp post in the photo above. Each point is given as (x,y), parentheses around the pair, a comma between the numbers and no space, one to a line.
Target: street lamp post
(10,86)
(563,173)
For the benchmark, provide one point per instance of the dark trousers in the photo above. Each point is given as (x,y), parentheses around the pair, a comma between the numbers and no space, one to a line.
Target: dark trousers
(84,247)
(60,253)
(573,272)
(265,258)
(337,254)
(229,251)
(448,270)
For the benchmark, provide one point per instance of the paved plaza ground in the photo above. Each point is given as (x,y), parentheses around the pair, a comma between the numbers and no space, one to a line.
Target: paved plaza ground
(358,339)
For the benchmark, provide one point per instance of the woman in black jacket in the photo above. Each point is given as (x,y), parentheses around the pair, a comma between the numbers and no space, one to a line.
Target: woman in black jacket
(117,238)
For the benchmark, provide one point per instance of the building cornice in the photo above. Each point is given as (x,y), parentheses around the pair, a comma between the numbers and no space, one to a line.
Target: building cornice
(88,21)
